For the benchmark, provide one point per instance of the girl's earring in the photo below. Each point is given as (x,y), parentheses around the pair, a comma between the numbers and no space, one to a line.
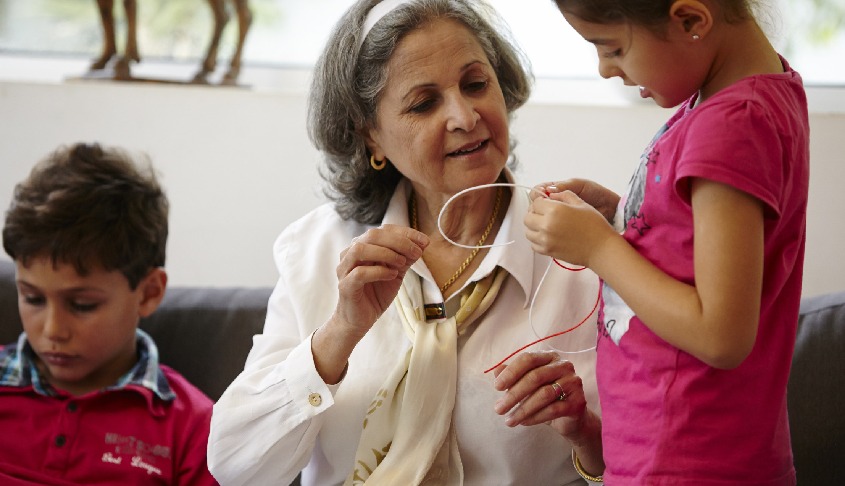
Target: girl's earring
(696,37)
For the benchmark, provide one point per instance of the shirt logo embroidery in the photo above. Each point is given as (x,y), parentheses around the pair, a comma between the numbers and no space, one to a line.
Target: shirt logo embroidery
(109,458)
(138,462)
(139,454)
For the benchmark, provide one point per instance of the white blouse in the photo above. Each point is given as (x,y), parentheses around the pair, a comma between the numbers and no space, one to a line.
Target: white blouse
(279,418)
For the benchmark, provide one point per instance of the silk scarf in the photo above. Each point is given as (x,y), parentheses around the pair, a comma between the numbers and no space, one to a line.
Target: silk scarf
(408,426)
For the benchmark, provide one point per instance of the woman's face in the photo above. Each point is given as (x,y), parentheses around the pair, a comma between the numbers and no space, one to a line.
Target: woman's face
(441,119)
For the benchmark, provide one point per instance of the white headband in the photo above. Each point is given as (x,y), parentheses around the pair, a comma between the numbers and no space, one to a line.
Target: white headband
(376,13)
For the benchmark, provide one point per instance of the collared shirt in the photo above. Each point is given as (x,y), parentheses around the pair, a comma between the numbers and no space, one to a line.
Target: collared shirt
(278,417)
(17,369)
(150,427)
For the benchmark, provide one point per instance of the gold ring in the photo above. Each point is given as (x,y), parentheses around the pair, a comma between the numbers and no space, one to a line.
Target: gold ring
(558,390)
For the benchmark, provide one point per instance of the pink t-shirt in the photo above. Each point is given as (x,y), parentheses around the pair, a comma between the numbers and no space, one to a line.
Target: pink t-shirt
(668,418)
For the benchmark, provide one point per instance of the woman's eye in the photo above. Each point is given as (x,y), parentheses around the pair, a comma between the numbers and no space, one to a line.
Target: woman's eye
(422,106)
(476,86)
(615,53)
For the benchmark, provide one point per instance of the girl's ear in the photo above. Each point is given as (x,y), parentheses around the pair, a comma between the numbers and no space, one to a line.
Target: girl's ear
(151,291)
(692,18)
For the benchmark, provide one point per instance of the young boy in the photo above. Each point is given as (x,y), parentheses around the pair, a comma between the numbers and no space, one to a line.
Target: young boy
(83,398)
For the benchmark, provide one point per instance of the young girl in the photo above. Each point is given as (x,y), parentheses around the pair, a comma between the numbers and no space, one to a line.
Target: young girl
(701,290)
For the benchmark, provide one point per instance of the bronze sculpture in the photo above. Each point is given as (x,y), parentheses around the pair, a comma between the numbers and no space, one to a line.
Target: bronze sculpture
(122,69)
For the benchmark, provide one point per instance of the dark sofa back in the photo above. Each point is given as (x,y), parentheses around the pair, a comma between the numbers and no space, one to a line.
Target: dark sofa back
(203,333)
(816,391)
(206,333)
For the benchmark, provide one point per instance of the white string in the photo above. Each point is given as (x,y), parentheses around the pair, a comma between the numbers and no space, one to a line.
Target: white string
(531,311)
(461,193)
(548,267)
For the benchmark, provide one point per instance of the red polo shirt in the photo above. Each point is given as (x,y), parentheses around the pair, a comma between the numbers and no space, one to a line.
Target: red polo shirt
(122,436)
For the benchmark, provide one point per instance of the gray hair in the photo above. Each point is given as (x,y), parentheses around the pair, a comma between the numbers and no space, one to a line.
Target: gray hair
(350,75)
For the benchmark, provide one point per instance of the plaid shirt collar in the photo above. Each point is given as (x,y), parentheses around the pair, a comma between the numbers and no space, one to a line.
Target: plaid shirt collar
(17,369)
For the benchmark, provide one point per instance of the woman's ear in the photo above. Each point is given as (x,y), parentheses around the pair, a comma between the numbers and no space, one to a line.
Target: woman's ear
(151,291)
(692,18)
(371,136)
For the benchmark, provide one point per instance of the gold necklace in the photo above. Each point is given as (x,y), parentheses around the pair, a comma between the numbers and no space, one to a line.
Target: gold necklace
(475,250)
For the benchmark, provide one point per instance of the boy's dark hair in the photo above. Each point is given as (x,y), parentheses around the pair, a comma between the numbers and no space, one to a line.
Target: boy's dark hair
(89,206)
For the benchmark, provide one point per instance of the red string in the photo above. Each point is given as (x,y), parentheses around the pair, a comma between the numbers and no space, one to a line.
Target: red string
(576,326)
(561,265)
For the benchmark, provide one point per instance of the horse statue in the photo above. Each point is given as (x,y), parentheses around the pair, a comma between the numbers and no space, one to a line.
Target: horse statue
(221,18)
(121,68)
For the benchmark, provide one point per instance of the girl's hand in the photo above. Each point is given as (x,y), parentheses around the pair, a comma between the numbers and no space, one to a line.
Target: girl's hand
(603,199)
(370,273)
(542,388)
(566,228)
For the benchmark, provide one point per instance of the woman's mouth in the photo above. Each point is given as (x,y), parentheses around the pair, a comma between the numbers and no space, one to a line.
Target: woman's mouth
(468,149)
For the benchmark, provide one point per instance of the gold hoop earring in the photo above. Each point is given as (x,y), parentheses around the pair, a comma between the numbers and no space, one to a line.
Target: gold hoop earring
(377,165)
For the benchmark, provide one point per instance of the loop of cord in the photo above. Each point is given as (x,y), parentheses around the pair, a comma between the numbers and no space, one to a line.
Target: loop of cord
(539,286)
(474,188)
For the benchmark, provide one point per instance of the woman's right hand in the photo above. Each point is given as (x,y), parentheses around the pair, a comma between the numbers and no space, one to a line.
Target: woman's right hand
(371,270)
(369,275)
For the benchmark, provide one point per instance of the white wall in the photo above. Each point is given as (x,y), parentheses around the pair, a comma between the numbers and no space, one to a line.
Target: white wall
(238,166)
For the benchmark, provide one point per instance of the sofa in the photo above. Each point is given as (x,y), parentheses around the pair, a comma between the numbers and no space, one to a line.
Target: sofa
(206,333)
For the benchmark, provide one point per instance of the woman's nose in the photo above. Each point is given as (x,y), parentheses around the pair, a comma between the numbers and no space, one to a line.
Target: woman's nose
(462,114)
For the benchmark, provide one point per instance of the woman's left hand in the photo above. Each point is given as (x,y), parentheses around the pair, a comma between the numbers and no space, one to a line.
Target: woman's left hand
(541,387)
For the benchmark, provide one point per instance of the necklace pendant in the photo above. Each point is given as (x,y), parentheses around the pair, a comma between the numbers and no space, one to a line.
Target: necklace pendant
(435,311)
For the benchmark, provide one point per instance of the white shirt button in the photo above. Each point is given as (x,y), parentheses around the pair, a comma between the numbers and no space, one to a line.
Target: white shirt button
(315,399)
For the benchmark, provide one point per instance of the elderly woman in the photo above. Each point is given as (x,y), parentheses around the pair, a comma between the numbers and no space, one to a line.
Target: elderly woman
(371,366)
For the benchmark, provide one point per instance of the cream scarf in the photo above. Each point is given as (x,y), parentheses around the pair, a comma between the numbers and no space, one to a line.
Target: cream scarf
(409,423)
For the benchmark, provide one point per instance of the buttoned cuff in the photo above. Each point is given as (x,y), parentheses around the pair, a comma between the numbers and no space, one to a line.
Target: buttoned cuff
(307,389)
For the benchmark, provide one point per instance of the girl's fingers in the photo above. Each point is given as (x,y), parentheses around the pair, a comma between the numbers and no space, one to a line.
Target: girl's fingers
(568,197)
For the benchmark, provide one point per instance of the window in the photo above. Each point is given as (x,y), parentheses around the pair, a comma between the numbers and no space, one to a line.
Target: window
(811,33)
